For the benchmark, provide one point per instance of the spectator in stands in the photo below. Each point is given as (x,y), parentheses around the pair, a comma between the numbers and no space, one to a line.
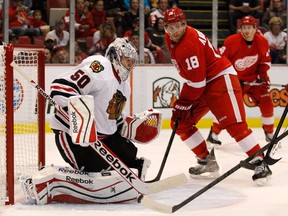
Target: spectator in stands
(48,55)
(147,41)
(42,6)
(277,10)
(147,58)
(115,11)
(36,22)
(19,20)
(156,50)
(131,15)
(98,13)
(27,4)
(103,37)
(277,40)
(84,23)
(157,34)
(61,56)
(149,55)
(240,8)
(79,53)
(127,4)
(13,39)
(162,7)
(50,43)
(59,34)
(158,54)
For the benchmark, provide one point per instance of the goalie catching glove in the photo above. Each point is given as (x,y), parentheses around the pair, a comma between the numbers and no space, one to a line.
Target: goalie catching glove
(143,127)
(81,118)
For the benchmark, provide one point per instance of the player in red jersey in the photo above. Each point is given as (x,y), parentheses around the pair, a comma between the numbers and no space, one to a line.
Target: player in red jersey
(249,53)
(211,84)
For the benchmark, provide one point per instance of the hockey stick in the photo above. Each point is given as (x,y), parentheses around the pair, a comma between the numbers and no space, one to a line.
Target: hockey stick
(156,206)
(157,178)
(268,159)
(121,168)
(259,84)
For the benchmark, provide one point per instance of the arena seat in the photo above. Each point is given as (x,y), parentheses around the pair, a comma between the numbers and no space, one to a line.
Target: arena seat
(24,40)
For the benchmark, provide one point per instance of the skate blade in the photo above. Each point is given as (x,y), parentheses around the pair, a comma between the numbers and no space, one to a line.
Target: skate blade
(206,175)
(262,181)
(212,145)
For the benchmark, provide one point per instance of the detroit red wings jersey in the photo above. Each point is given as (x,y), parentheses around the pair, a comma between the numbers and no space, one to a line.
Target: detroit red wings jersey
(93,76)
(248,60)
(196,60)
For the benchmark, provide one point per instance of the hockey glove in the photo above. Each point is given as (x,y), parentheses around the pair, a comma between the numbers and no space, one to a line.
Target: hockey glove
(264,79)
(182,110)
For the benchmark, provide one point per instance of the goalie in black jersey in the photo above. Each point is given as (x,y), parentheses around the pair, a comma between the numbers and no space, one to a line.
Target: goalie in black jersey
(90,101)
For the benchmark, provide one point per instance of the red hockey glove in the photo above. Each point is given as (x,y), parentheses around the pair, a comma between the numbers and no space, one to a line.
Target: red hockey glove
(182,110)
(264,79)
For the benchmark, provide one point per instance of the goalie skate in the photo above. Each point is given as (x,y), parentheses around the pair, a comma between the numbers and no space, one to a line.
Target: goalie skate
(28,189)
(143,166)
(213,141)
(262,172)
(206,168)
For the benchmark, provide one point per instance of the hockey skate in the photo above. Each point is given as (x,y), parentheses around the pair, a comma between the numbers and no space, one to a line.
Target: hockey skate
(268,136)
(212,140)
(144,164)
(206,168)
(28,189)
(262,172)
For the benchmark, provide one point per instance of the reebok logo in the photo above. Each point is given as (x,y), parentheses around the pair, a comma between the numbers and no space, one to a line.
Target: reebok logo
(79,180)
(74,122)
(116,164)
(77,172)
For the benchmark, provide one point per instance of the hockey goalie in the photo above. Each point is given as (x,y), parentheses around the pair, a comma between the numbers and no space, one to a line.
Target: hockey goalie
(93,134)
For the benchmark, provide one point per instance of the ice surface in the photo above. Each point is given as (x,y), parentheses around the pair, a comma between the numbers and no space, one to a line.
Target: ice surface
(237,195)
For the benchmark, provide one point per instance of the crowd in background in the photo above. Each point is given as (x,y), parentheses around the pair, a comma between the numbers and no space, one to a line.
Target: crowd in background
(98,23)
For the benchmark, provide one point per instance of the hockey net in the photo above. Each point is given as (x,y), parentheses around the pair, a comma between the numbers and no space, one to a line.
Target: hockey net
(22,117)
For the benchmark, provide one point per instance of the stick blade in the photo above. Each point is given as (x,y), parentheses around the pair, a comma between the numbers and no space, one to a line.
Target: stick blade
(167,183)
(149,203)
(271,161)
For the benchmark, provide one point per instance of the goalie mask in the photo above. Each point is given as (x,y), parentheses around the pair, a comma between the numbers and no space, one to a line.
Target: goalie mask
(123,56)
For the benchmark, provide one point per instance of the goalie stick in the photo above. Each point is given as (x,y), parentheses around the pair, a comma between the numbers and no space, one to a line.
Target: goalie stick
(157,206)
(157,178)
(121,168)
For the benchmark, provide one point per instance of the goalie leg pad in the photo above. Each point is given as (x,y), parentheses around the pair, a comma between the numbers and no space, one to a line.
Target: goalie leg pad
(143,127)
(81,119)
(64,184)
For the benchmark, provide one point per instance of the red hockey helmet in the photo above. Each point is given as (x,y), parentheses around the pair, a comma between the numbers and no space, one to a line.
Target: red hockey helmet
(173,15)
(248,20)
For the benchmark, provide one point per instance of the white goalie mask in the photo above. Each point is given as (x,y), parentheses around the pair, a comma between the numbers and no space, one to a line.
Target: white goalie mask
(123,56)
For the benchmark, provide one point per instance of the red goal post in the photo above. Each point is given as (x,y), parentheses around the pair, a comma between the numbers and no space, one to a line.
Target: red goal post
(22,117)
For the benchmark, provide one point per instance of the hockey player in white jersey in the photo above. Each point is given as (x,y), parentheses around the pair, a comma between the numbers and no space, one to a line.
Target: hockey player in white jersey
(90,100)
